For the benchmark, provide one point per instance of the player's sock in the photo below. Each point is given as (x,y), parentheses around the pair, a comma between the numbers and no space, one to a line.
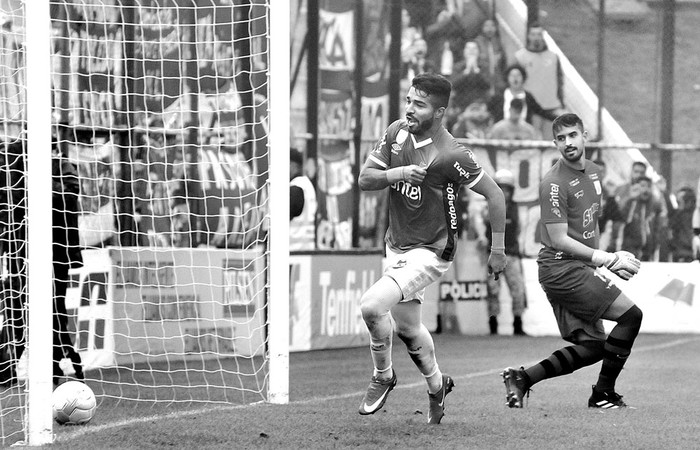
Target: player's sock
(421,349)
(565,361)
(618,347)
(381,333)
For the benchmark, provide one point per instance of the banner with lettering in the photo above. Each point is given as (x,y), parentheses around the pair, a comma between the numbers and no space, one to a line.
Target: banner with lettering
(325,298)
(335,118)
(375,116)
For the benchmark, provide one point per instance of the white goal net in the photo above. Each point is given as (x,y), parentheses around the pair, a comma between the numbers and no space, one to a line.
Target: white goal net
(160,128)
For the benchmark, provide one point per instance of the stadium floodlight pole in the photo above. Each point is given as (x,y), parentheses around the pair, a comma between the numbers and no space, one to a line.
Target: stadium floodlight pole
(278,142)
(39,417)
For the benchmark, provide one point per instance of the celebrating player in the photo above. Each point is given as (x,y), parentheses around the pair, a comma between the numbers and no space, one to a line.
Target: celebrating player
(570,198)
(423,166)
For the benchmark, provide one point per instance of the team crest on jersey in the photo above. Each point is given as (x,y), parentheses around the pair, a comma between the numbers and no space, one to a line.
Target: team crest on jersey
(401,136)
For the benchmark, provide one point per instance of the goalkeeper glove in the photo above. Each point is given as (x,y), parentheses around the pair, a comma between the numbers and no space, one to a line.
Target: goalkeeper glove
(622,263)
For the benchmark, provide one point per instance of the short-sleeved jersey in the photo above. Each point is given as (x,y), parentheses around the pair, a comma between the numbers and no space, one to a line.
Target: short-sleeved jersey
(573,197)
(426,215)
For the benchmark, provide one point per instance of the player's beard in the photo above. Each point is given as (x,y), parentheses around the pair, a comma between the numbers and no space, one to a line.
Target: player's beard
(418,127)
(575,157)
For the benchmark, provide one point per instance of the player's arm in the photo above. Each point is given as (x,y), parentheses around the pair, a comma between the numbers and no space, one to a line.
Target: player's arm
(559,234)
(497,217)
(375,176)
(622,264)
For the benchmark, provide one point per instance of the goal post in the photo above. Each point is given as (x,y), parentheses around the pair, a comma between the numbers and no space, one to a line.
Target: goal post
(279,142)
(39,274)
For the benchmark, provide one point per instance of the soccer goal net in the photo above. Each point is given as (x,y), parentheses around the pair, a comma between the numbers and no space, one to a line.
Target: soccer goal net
(163,203)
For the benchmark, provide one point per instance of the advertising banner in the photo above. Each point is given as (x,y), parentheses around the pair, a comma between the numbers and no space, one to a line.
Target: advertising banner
(325,298)
(134,305)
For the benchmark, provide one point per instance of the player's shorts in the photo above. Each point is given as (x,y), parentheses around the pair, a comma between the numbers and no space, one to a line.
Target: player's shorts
(414,270)
(579,295)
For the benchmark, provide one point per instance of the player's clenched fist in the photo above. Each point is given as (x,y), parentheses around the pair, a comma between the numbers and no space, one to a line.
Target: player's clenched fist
(622,263)
(412,174)
(415,174)
(497,262)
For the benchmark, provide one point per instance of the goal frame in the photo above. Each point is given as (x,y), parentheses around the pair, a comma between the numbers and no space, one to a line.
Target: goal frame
(39,419)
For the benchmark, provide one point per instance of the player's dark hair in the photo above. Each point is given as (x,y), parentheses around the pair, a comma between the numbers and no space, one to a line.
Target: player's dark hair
(436,86)
(566,120)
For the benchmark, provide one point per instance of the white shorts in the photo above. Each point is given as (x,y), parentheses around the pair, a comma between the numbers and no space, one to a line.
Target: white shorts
(414,270)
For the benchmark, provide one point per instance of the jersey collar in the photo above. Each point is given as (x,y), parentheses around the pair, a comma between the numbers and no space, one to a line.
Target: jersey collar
(422,143)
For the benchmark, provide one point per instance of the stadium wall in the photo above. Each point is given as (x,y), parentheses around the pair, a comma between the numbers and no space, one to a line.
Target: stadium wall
(666,293)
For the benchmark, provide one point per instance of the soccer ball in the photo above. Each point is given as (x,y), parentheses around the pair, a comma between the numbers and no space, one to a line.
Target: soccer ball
(74,403)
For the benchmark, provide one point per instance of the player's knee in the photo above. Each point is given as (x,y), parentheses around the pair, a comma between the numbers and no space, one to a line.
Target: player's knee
(369,309)
(632,317)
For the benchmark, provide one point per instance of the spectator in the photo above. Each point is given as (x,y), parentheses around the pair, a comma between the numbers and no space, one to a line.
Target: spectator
(492,55)
(409,35)
(627,191)
(696,225)
(513,272)
(499,105)
(609,210)
(418,62)
(474,122)
(514,127)
(471,61)
(642,217)
(457,22)
(681,226)
(665,196)
(302,205)
(545,80)
(468,87)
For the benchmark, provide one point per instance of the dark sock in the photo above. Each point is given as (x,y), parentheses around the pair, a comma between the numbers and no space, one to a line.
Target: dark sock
(617,348)
(566,360)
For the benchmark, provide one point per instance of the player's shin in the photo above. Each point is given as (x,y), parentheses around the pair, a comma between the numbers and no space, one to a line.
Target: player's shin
(618,347)
(380,334)
(421,349)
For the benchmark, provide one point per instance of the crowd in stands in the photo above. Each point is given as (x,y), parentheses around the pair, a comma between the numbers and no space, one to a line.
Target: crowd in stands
(516,96)
(463,43)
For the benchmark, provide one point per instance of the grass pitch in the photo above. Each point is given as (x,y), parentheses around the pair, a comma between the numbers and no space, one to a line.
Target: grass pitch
(327,386)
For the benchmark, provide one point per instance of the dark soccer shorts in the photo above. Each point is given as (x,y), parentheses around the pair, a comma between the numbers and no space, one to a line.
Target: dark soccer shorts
(579,295)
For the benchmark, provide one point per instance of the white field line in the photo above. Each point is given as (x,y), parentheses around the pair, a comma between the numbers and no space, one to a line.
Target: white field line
(64,437)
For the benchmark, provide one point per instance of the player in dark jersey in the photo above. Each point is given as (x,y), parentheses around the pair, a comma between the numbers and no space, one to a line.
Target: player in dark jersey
(580,295)
(423,166)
